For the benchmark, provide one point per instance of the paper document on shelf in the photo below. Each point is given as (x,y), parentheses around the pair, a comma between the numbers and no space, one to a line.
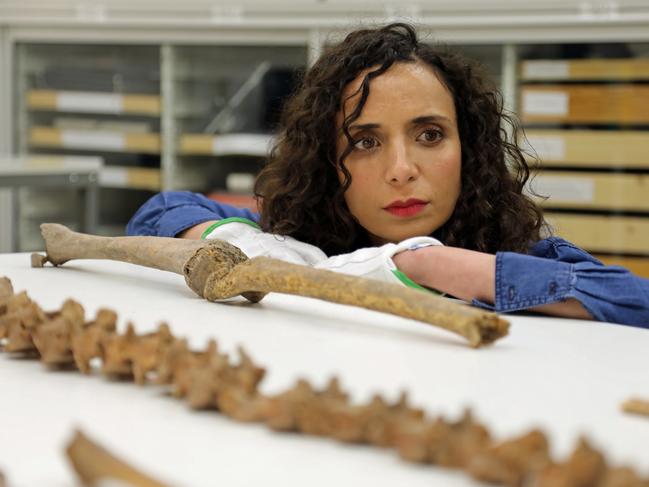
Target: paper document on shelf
(564,189)
(546,69)
(547,147)
(243,144)
(89,139)
(113,177)
(87,102)
(545,103)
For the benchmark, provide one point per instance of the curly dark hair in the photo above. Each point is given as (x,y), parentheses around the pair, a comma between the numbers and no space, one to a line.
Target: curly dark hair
(299,191)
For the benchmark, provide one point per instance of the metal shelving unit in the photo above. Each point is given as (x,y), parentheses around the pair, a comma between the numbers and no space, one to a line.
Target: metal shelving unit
(77,99)
(206,66)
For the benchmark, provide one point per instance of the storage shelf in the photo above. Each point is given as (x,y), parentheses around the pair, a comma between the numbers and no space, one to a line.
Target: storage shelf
(130,178)
(93,102)
(102,140)
(591,148)
(586,104)
(585,69)
(226,144)
(625,192)
(610,234)
(606,99)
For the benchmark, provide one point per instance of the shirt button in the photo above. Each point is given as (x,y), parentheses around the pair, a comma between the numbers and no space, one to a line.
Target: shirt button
(511,293)
(552,288)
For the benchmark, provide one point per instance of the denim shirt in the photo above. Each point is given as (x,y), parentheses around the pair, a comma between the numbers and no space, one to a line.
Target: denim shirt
(554,269)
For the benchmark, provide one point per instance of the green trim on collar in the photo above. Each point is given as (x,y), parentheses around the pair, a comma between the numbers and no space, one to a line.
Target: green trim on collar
(231,219)
(410,283)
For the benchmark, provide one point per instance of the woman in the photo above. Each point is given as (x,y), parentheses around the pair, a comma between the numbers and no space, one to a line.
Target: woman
(388,139)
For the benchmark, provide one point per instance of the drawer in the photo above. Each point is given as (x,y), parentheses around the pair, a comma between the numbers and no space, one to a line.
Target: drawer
(101,140)
(585,69)
(589,148)
(607,191)
(593,104)
(609,234)
(93,102)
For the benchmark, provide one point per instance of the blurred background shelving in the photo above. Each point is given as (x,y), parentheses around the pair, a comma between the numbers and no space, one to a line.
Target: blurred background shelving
(186,97)
(586,113)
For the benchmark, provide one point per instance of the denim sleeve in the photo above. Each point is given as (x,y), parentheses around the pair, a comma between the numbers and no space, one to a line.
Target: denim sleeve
(556,270)
(170,212)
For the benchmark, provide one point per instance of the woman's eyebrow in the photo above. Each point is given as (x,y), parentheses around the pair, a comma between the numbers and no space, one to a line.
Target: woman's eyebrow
(364,126)
(430,119)
(415,121)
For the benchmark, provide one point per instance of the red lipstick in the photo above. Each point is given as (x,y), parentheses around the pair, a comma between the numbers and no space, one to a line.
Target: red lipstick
(406,208)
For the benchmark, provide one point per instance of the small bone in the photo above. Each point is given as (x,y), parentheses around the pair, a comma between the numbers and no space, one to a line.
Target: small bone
(314,415)
(636,405)
(87,343)
(585,467)
(53,338)
(205,381)
(147,352)
(38,260)
(177,363)
(512,462)
(467,439)
(94,464)
(22,317)
(117,362)
(6,288)
(281,410)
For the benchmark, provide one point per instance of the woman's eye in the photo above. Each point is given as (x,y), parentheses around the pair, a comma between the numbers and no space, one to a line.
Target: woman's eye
(430,135)
(365,143)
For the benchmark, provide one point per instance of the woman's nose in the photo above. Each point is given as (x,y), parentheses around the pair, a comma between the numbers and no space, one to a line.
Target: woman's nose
(401,167)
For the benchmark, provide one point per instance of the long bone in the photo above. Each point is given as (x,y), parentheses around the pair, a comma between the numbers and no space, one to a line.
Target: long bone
(218,270)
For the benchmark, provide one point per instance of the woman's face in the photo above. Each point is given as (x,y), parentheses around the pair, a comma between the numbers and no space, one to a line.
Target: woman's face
(406,161)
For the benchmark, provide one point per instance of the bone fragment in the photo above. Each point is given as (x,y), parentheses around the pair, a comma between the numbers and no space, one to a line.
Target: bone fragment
(6,288)
(217,270)
(88,342)
(636,406)
(512,462)
(53,338)
(586,466)
(16,325)
(94,464)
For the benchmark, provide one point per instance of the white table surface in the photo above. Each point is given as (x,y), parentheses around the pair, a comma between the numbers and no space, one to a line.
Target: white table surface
(567,377)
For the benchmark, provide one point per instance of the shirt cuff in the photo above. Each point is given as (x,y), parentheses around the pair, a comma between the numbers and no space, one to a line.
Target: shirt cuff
(524,281)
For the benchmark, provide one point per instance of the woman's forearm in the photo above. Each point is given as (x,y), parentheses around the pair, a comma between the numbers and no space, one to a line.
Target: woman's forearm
(196,232)
(465,274)
(468,275)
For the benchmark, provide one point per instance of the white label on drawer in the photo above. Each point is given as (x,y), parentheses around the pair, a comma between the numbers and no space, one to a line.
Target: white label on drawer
(88,139)
(79,101)
(545,103)
(242,144)
(116,177)
(546,69)
(240,182)
(568,190)
(547,147)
